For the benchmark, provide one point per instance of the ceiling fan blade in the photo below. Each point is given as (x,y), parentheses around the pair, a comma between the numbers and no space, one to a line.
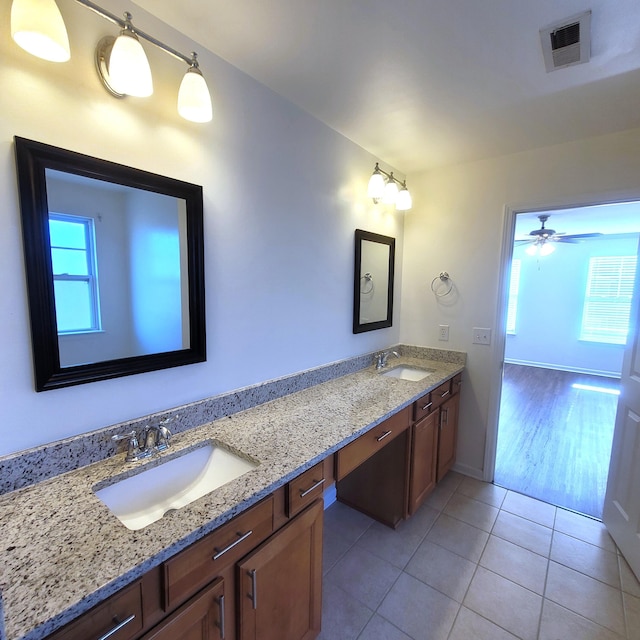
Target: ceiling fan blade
(583,235)
(567,239)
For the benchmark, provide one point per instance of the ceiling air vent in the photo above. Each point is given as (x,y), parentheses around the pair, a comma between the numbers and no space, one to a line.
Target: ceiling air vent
(568,42)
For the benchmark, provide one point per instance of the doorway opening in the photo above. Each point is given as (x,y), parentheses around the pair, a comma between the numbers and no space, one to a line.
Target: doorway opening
(571,280)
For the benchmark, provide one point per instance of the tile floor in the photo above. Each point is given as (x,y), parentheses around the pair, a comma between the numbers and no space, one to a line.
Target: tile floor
(476,562)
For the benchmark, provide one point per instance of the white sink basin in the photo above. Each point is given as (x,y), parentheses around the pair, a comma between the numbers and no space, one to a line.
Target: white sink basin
(139,500)
(408,373)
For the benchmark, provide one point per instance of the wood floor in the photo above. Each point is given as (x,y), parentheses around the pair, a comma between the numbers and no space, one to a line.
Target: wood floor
(554,441)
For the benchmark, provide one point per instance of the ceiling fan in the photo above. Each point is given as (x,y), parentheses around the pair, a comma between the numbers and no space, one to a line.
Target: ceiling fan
(541,240)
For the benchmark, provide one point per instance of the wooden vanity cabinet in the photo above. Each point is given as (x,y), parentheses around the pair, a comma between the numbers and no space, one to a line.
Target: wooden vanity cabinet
(424,459)
(448,429)
(371,472)
(390,480)
(280,583)
(434,439)
(203,617)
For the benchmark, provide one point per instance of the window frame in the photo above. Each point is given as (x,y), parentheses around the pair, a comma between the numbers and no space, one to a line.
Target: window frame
(512,299)
(91,278)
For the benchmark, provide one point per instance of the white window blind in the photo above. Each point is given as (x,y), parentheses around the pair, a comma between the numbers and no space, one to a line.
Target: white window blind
(607,303)
(512,305)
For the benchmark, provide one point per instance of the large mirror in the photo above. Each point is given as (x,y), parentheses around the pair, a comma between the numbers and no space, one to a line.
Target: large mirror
(373,281)
(115,267)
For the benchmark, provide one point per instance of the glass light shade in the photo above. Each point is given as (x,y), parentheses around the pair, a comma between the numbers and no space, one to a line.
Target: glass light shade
(547,249)
(532,250)
(37,26)
(390,192)
(403,201)
(376,186)
(194,101)
(129,71)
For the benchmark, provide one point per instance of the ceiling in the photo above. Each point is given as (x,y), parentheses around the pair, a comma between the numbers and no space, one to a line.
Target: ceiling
(427,83)
(607,219)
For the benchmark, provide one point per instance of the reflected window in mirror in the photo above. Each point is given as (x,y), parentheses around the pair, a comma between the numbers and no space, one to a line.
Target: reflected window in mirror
(373,281)
(114,260)
(75,276)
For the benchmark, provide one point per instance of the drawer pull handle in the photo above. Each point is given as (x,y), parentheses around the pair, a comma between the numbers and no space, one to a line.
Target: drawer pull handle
(304,493)
(383,436)
(254,589)
(233,544)
(221,605)
(117,627)
(446,393)
(426,406)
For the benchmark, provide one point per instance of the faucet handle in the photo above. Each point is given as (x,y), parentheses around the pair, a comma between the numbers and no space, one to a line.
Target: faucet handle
(164,435)
(125,436)
(133,450)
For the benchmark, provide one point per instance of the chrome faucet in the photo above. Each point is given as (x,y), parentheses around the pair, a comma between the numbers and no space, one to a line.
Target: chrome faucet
(133,449)
(153,439)
(382,357)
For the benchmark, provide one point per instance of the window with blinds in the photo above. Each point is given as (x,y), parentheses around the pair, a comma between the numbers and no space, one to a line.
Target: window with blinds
(512,305)
(75,280)
(607,302)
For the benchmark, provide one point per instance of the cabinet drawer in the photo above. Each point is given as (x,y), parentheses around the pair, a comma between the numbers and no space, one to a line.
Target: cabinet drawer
(193,568)
(355,453)
(430,401)
(117,618)
(304,489)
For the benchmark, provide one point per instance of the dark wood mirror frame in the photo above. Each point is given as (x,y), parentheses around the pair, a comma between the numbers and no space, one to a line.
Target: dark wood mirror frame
(32,160)
(360,237)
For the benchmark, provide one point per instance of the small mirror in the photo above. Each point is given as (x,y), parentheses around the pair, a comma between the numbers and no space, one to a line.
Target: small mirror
(373,281)
(114,262)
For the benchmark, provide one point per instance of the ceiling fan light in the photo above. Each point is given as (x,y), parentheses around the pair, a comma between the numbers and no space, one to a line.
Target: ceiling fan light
(129,71)
(547,249)
(37,26)
(532,250)
(377,183)
(194,101)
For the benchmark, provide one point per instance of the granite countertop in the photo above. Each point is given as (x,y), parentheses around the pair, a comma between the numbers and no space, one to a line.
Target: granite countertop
(62,550)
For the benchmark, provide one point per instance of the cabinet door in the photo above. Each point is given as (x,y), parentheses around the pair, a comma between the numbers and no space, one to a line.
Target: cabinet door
(200,618)
(424,455)
(448,438)
(280,584)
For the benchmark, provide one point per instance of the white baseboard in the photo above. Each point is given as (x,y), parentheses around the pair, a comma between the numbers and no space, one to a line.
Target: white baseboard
(466,470)
(556,367)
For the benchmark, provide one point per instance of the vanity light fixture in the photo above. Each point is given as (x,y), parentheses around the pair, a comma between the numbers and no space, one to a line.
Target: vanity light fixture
(387,191)
(38,27)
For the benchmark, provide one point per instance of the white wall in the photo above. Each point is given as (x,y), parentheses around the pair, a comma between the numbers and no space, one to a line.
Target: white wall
(550,306)
(156,282)
(457,226)
(283,195)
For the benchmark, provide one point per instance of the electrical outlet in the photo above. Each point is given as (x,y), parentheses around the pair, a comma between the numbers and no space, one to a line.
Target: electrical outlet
(481,336)
(443,332)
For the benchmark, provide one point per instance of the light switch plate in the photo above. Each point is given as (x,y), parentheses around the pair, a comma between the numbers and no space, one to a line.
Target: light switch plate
(443,332)
(481,336)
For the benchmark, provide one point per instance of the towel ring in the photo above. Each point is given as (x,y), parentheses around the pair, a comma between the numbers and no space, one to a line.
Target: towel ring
(443,277)
(367,277)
